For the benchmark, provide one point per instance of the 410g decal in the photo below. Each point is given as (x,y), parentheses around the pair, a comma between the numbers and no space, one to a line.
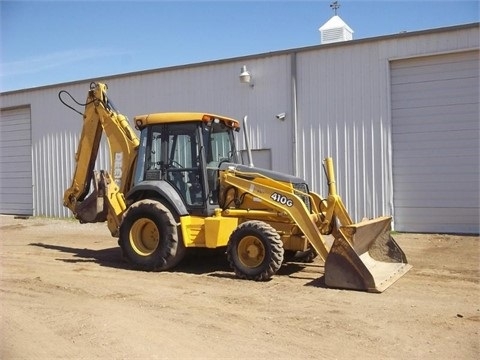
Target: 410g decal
(282,199)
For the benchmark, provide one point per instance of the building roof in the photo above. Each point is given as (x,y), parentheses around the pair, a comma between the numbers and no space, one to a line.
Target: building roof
(259,55)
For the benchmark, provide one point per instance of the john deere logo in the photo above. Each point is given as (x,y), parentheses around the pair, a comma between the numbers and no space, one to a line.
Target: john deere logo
(117,168)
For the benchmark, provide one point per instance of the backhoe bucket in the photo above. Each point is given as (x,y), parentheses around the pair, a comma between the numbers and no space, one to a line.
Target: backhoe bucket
(365,258)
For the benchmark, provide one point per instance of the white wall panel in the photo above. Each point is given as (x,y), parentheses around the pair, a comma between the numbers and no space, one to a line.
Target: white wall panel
(216,88)
(343,114)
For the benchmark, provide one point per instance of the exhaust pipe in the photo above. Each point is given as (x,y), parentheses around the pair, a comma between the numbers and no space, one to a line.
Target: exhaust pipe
(247,141)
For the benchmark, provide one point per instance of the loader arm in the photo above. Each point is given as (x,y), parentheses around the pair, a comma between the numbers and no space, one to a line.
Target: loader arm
(363,255)
(106,202)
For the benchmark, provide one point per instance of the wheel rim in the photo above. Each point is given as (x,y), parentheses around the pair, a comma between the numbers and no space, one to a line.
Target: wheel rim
(251,251)
(144,237)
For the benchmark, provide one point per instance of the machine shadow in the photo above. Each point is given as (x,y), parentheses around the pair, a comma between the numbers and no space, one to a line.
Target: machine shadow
(303,271)
(196,262)
(212,262)
(318,283)
(111,257)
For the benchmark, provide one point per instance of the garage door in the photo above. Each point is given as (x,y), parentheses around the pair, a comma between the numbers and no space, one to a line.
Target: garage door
(435,137)
(16,162)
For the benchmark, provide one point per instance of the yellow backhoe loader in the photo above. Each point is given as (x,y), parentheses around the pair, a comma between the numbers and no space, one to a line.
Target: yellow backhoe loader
(179,185)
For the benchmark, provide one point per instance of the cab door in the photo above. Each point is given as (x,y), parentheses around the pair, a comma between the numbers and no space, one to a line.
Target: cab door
(183,166)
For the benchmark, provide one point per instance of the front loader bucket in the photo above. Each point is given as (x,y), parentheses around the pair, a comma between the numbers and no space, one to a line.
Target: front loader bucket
(365,258)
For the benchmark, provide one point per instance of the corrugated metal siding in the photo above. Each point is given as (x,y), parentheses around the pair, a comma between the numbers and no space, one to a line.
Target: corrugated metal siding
(343,111)
(54,164)
(435,126)
(211,88)
(342,114)
(16,162)
(217,89)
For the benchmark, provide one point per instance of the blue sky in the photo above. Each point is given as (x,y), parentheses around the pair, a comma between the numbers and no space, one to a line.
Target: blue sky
(48,42)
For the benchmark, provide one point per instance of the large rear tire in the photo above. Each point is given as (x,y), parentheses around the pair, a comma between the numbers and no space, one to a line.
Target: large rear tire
(149,237)
(255,251)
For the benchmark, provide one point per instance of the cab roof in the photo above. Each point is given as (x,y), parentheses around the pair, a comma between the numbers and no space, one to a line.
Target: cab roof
(142,121)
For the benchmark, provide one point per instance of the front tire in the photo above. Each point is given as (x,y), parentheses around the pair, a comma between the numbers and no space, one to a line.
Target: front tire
(149,238)
(255,251)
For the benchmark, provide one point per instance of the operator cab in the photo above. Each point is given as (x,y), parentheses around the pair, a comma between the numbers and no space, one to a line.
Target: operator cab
(186,150)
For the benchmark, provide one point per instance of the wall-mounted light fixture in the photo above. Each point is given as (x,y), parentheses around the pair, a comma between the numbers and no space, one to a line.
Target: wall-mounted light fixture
(245,76)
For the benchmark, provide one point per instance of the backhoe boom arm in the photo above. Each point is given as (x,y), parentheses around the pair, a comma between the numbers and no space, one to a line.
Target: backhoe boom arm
(106,201)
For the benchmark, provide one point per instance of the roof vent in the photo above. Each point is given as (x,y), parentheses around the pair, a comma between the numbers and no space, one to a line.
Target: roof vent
(335,29)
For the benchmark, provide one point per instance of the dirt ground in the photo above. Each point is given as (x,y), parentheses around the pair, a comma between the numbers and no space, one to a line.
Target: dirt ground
(66,292)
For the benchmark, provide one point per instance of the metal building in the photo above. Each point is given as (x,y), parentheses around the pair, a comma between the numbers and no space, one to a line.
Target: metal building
(399,114)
